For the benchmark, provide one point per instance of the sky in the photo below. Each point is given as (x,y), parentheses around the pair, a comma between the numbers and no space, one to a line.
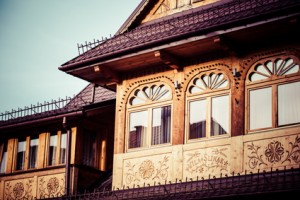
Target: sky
(38,36)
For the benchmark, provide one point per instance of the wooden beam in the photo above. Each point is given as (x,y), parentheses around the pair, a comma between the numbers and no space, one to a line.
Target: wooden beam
(107,73)
(169,59)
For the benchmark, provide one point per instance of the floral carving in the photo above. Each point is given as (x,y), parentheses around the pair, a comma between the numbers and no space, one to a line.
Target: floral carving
(53,185)
(131,176)
(254,158)
(146,169)
(274,152)
(18,190)
(294,153)
(162,171)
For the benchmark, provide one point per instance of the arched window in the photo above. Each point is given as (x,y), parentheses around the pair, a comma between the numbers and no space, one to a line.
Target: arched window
(273,93)
(149,114)
(208,104)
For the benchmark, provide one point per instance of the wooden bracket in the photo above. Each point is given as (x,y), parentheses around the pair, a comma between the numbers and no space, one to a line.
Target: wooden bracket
(106,73)
(169,59)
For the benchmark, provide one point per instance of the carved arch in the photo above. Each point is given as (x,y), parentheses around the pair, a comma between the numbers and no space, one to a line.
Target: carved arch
(148,81)
(216,68)
(273,68)
(250,60)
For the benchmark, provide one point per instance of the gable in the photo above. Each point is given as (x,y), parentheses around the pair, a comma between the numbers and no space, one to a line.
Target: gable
(168,7)
(149,10)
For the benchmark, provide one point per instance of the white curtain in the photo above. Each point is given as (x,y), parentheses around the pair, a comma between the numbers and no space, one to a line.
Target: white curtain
(220,115)
(260,108)
(138,129)
(289,103)
(197,119)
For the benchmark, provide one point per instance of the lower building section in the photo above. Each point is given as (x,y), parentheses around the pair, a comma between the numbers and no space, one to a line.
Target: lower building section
(38,185)
(203,159)
(283,183)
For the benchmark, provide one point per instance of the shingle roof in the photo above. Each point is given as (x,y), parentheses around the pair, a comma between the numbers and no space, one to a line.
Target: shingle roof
(189,23)
(60,107)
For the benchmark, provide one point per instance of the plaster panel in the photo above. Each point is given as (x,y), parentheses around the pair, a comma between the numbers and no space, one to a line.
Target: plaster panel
(20,189)
(51,186)
(270,153)
(147,170)
(206,162)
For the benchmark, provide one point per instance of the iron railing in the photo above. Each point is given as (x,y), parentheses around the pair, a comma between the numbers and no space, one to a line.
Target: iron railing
(35,109)
(235,184)
(186,24)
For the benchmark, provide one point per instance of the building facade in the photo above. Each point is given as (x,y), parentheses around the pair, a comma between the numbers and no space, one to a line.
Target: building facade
(58,147)
(207,92)
(207,88)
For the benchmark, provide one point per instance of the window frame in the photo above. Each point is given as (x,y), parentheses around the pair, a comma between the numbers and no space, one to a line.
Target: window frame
(27,156)
(3,149)
(58,149)
(149,107)
(207,95)
(208,98)
(271,82)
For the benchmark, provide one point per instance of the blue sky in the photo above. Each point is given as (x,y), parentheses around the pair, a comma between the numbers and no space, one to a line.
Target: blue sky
(38,36)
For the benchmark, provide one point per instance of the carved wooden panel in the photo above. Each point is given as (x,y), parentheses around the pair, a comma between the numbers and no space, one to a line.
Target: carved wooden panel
(19,189)
(276,152)
(147,170)
(51,186)
(204,162)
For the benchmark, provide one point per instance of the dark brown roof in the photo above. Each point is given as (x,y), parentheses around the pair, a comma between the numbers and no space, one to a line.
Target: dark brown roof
(59,107)
(85,97)
(183,25)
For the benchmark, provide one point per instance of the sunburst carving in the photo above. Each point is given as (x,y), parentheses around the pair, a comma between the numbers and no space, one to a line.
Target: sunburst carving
(150,94)
(278,67)
(208,82)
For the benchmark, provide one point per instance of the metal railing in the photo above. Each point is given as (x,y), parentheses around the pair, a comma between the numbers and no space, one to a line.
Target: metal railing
(40,108)
(187,24)
(235,184)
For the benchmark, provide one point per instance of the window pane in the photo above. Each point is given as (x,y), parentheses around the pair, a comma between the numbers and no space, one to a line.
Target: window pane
(220,115)
(63,148)
(3,158)
(33,152)
(52,149)
(197,119)
(21,154)
(161,127)
(138,129)
(289,103)
(261,108)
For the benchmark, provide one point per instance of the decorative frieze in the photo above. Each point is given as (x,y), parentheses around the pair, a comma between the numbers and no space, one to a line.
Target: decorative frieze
(147,170)
(272,153)
(205,162)
(19,189)
(51,186)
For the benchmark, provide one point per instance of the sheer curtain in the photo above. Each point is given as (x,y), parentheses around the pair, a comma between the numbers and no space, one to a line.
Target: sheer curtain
(161,125)
(260,108)
(52,149)
(220,115)
(33,152)
(289,103)
(63,148)
(3,157)
(197,119)
(21,154)
(138,129)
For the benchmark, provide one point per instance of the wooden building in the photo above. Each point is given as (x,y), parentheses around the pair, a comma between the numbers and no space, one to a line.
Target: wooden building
(207,99)
(34,160)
